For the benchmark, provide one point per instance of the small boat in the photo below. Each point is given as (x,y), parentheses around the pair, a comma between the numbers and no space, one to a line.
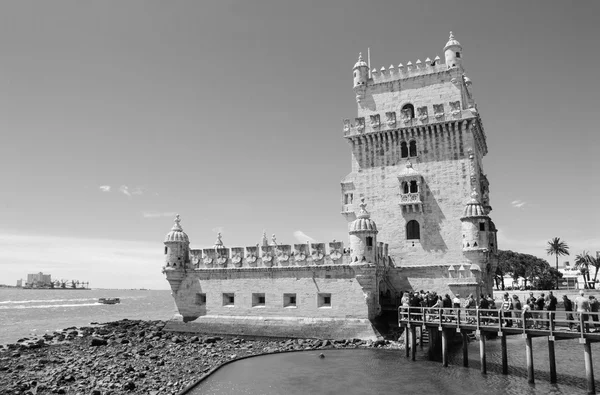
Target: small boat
(109,300)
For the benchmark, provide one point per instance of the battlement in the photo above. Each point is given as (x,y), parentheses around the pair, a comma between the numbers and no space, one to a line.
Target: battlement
(281,255)
(410,70)
(438,113)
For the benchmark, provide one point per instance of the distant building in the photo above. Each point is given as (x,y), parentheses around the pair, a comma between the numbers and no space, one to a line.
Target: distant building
(19,283)
(39,280)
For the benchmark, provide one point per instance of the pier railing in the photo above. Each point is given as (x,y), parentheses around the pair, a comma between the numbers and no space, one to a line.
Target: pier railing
(584,326)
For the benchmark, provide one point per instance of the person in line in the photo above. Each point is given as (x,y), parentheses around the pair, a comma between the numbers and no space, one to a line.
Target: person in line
(484,305)
(405,304)
(470,305)
(507,308)
(447,304)
(435,309)
(531,301)
(517,311)
(527,315)
(492,306)
(540,304)
(582,305)
(568,309)
(551,303)
(594,305)
(456,305)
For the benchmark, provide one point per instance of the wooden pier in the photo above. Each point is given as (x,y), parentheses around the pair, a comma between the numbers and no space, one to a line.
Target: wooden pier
(501,323)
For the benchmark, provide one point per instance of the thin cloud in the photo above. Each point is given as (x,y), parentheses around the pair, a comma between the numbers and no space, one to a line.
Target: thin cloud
(104,188)
(158,214)
(125,190)
(303,237)
(518,203)
(137,191)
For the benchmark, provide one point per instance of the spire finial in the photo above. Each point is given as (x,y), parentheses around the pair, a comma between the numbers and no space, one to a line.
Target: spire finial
(177,226)
(219,241)
(451,36)
(360,57)
(363,213)
(265,241)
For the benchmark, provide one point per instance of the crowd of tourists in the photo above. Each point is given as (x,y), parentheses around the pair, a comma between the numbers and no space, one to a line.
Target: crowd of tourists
(534,312)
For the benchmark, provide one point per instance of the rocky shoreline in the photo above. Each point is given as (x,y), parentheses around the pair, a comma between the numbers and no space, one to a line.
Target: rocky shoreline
(133,357)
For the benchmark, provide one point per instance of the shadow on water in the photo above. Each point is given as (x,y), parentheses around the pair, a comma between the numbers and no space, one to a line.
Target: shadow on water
(363,371)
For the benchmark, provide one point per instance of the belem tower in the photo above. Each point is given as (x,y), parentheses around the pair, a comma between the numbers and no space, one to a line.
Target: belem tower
(417,205)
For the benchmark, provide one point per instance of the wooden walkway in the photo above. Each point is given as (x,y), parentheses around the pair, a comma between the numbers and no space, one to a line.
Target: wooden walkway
(503,324)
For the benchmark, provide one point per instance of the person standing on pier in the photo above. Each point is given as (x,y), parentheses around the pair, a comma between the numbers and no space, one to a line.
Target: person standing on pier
(507,308)
(551,306)
(583,306)
(568,309)
(540,303)
(447,303)
(594,305)
(517,313)
(484,305)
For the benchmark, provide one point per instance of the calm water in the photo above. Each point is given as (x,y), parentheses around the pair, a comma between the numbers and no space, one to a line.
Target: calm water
(24,312)
(383,371)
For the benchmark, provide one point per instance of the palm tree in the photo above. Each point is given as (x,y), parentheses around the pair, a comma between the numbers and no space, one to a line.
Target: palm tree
(556,248)
(583,262)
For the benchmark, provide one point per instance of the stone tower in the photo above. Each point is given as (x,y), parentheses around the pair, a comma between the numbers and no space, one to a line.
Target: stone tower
(417,148)
(363,237)
(177,255)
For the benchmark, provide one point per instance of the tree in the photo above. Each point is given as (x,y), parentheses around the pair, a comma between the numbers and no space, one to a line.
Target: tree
(557,248)
(583,262)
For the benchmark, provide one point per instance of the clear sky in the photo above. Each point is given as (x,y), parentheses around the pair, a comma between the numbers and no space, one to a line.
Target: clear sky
(116,115)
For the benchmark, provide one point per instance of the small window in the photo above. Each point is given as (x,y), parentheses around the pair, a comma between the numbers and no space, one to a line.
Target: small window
(458,55)
(166,250)
(482,226)
(324,300)
(201,299)
(355,74)
(348,198)
(289,300)
(258,300)
(369,241)
(405,187)
(413,148)
(414,187)
(413,231)
(228,299)
(404,149)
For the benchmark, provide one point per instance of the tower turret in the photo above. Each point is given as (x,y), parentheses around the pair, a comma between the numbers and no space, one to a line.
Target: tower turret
(176,247)
(361,75)
(453,53)
(363,237)
(475,225)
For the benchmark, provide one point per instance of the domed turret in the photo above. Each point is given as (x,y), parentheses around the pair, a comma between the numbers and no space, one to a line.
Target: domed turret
(475,225)
(453,53)
(363,237)
(361,75)
(176,246)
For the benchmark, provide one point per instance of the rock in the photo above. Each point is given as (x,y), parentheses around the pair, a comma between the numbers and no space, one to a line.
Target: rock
(97,341)
(129,386)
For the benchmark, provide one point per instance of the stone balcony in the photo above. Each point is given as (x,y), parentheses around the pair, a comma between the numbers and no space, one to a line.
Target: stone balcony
(411,202)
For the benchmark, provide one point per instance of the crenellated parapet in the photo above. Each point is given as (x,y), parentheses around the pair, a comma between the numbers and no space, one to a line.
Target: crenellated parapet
(410,70)
(281,255)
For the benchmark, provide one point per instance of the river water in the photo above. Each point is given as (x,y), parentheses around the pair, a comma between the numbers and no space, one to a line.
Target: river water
(364,371)
(35,311)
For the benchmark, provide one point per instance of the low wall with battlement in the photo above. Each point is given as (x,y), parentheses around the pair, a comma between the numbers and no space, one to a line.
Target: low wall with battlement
(410,70)
(282,255)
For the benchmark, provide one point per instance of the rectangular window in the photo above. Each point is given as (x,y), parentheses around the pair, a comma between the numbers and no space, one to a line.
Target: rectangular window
(228,299)
(324,300)
(482,226)
(201,299)
(289,300)
(348,198)
(258,300)
(166,249)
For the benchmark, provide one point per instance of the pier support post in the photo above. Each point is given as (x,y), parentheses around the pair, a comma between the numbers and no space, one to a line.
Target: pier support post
(421,337)
(413,342)
(465,349)
(589,369)
(445,348)
(529,357)
(504,354)
(552,359)
(482,353)
(407,341)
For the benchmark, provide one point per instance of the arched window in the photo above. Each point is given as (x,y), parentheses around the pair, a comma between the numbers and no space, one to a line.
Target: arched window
(404,149)
(413,231)
(413,148)
(369,241)
(414,188)
(405,187)
(355,73)
(411,108)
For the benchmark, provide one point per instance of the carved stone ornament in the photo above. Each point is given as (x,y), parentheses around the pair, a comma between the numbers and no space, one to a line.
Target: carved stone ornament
(360,124)
(455,108)
(317,255)
(237,259)
(390,119)
(438,111)
(251,259)
(221,261)
(267,259)
(299,256)
(207,261)
(346,125)
(422,113)
(375,123)
(473,110)
(335,255)
(282,256)
(406,115)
